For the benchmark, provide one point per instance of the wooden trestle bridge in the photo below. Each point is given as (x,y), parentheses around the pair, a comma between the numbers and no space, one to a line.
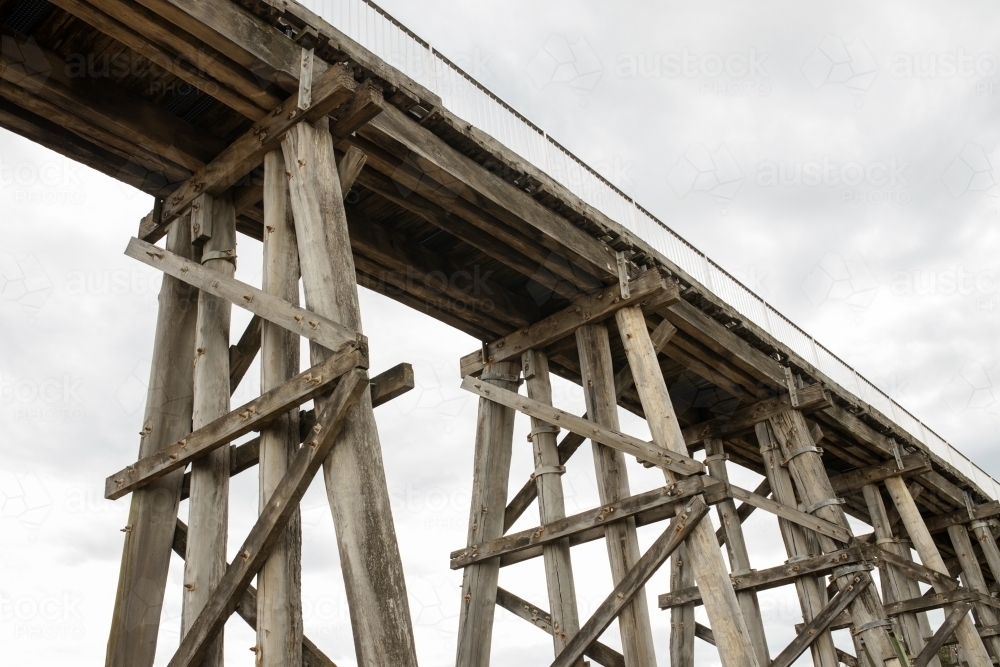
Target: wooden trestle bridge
(260,119)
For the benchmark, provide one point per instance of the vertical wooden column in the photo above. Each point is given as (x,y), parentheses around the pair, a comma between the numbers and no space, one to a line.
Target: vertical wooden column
(972,577)
(739,557)
(728,625)
(981,529)
(279,582)
(805,464)
(551,506)
(208,523)
(491,474)
(968,637)
(682,621)
(811,592)
(612,484)
(153,510)
(354,472)
(897,587)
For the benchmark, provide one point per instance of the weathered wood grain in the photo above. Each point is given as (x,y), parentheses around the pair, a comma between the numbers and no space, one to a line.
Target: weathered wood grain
(311,325)
(675,534)
(169,404)
(250,416)
(272,521)
(589,308)
(684,465)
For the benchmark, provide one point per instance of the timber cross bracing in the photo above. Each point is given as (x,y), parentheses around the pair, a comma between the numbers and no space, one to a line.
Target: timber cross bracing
(258,117)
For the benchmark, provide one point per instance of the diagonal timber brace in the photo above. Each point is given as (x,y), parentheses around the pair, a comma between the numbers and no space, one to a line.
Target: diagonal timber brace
(312,656)
(298,320)
(679,463)
(634,580)
(272,521)
(252,416)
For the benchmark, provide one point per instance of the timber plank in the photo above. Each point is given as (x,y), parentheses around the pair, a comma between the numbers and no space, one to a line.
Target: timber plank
(273,519)
(298,320)
(242,420)
(634,580)
(646,451)
(652,286)
(670,494)
(330,89)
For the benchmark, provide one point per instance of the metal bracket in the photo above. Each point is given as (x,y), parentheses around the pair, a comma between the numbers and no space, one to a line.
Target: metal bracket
(793,391)
(716,457)
(228,255)
(824,503)
(622,274)
(507,377)
(969,507)
(545,428)
(306,79)
(880,623)
(897,453)
(801,450)
(548,470)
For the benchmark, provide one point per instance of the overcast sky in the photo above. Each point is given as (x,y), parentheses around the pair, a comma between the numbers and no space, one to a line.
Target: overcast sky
(855,167)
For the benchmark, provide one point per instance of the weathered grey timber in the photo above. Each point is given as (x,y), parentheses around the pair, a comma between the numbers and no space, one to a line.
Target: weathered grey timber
(208,514)
(169,403)
(612,484)
(494,443)
(354,474)
(279,582)
(551,506)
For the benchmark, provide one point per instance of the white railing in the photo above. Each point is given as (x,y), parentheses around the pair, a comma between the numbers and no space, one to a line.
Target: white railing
(391,41)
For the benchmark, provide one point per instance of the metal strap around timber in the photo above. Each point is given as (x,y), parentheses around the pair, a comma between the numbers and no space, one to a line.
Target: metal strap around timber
(851,569)
(548,470)
(716,457)
(823,503)
(871,625)
(544,428)
(797,559)
(228,255)
(801,450)
(506,377)
(979,523)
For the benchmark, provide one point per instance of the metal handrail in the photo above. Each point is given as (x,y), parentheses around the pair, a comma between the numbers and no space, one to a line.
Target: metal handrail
(390,40)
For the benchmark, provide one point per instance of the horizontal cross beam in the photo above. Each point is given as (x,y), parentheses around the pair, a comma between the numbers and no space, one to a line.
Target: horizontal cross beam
(330,89)
(772,577)
(249,417)
(852,480)
(652,288)
(308,324)
(941,522)
(662,458)
(384,387)
(577,523)
(811,398)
